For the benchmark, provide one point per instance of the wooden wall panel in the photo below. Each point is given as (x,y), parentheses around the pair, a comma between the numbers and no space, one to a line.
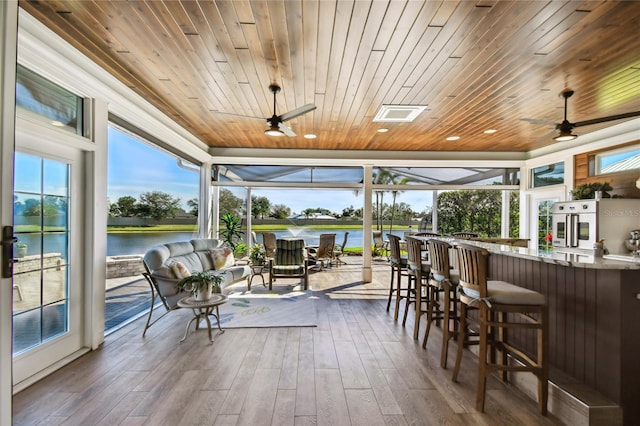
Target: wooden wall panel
(623,183)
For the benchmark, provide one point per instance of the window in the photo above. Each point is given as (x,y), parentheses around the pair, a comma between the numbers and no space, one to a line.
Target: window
(618,160)
(551,174)
(49,101)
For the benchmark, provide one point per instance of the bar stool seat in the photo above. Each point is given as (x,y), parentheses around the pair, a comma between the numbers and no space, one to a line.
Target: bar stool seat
(502,306)
(502,292)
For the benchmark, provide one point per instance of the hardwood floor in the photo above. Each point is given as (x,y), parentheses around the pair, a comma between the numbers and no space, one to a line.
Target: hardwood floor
(356,367)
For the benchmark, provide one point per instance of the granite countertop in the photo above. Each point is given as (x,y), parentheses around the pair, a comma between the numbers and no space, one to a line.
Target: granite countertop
(574,259)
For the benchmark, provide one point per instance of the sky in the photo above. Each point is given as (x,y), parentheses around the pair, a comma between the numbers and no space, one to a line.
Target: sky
(135,167)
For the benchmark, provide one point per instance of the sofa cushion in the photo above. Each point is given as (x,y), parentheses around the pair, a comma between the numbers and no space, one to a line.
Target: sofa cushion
(179,270)
(222,257)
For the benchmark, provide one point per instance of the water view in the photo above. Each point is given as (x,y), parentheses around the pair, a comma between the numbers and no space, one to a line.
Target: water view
(139,242)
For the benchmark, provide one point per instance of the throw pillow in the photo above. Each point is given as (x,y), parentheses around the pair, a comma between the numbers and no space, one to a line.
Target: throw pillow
(180,270)
(222,257)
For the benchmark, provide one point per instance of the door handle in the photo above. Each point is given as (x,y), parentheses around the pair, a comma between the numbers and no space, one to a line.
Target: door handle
(7,251)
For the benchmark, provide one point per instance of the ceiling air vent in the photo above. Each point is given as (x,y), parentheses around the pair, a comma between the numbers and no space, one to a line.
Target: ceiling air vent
(398,113)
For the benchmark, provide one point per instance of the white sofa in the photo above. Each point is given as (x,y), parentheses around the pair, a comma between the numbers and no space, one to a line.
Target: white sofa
(161,263)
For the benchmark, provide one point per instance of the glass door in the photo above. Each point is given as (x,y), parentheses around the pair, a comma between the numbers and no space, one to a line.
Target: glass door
(47,294)
(541,217)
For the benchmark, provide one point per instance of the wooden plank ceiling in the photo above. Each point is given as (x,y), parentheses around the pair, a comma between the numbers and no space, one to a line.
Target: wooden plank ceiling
(475,65)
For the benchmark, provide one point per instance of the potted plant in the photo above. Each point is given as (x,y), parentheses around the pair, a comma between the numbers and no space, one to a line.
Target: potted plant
(20,249)
(240,250)
(587,191)
(232,233)
(257,255)
(202,284)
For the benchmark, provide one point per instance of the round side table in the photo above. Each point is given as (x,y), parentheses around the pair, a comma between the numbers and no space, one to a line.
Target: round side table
(202,309)
(256,270)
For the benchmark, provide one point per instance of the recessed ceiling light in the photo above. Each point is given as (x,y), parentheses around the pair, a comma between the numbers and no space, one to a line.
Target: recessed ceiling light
(310,136)
(489,131)
(453,138)
(383,130)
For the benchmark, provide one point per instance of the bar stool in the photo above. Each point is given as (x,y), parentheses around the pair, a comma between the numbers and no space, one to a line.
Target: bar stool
(495,300)
(399,269)
(419,271)
(444,279)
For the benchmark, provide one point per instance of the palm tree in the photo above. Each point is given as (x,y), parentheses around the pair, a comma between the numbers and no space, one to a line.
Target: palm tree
(396,180)
(383,177)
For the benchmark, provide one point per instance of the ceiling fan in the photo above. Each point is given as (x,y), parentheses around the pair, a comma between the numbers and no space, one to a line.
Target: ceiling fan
(565,128)
(276,122)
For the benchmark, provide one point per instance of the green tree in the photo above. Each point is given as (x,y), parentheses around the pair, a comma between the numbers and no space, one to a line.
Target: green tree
(50,206)
(260,206)
(348,212)
(472,210)
(280,211)
(403,211)
(454,211)
(514,214)
(126,206)
(31,207)
(229,203)
(157,205)
(193,206)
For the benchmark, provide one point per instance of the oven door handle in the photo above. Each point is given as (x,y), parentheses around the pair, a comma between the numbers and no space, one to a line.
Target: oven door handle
(572,228)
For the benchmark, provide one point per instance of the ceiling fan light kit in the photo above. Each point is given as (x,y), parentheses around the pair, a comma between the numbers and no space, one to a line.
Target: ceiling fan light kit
(565,137)
(273,131)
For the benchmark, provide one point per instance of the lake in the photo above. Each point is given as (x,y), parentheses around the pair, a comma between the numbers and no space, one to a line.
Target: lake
(139,242)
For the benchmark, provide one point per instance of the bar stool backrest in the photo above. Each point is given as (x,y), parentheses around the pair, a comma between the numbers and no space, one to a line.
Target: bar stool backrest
(473,262)
(439,257)
(394,245)
(414,253)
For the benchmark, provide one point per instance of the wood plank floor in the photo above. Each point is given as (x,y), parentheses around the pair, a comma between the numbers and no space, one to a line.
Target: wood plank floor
(356,367)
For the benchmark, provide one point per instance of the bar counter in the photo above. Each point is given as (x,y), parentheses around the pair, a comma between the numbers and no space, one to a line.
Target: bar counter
(594,322)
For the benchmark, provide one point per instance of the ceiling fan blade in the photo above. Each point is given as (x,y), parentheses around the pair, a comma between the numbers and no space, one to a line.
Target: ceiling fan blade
(536,121)
(286,130)
(297,112)
(239,115)
(605,119)
(547,136)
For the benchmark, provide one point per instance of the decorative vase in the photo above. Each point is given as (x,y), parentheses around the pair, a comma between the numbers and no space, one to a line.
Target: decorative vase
(203,293)
(20,251)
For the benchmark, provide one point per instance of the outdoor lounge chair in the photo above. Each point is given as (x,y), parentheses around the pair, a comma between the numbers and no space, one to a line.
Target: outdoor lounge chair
(269,243)
(324,251)
(289,261)
(380,246)
(339,251)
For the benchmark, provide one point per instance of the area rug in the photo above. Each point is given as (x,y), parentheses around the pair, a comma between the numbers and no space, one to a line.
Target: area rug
(284,306)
